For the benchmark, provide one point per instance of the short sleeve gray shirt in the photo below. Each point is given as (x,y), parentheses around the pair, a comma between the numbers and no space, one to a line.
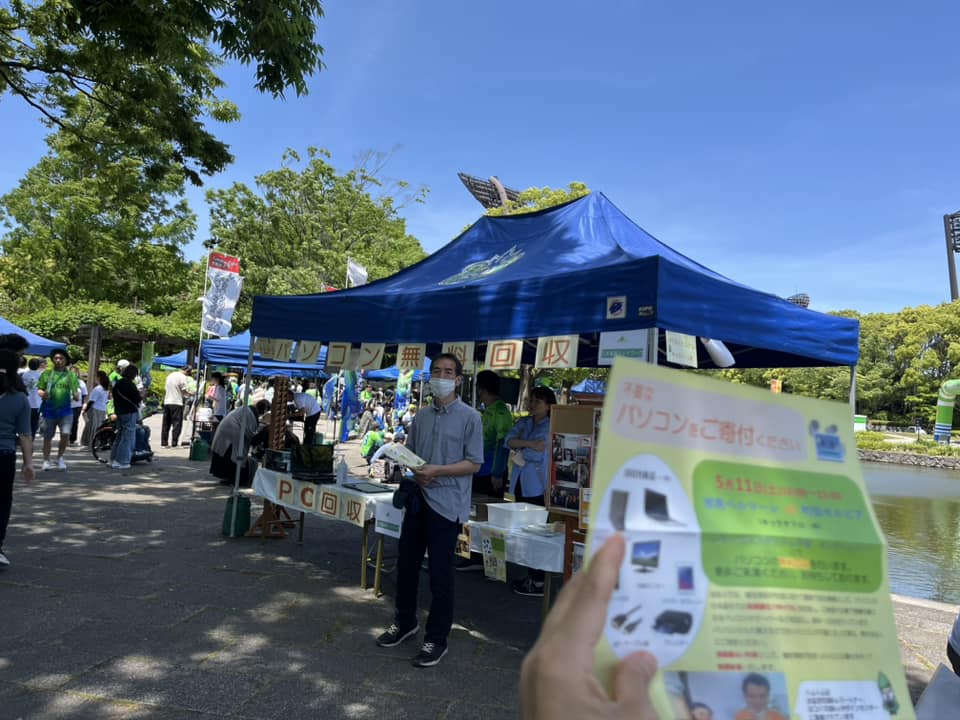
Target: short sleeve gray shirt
(442,436)
(14,420)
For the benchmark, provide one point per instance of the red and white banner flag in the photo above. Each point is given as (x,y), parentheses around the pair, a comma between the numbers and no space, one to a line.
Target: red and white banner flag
(223,292)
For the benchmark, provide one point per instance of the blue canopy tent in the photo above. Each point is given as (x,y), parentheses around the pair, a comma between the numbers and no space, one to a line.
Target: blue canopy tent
(234,352)
(579,268)
(177,360)
(391,374)
(38,345)
(589,387)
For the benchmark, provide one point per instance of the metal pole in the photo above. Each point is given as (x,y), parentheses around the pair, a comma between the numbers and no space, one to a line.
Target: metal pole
(196,394)
(853,389)
(951,261)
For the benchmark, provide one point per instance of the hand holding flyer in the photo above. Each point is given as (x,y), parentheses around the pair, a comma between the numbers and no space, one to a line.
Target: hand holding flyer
(754,568)
(401,454)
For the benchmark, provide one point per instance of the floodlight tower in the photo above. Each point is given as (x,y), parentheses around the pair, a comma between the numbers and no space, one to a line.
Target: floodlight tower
(951,230)
(489,193)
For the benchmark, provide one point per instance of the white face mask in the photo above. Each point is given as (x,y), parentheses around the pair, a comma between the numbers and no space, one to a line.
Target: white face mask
(442,387)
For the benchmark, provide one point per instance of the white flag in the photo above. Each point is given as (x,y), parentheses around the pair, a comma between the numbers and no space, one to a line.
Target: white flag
(220,301)
(356,274)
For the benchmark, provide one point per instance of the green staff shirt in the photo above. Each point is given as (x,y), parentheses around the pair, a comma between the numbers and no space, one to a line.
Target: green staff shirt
(61,387)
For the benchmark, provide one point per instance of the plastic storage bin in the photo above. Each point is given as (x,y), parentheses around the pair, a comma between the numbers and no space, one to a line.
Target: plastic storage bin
(515,515)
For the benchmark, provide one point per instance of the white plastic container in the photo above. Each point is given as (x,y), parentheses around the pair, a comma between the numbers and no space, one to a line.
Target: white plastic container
(515,515)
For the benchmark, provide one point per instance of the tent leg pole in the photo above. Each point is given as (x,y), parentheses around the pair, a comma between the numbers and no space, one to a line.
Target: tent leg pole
(853,389)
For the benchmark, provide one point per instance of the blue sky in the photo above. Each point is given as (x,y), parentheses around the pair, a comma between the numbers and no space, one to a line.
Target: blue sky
(804,147)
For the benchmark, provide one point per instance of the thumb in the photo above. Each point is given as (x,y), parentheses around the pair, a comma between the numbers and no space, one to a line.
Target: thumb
(631,686)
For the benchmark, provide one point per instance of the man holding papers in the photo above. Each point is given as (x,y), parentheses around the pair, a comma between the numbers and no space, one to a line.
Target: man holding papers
(448,435)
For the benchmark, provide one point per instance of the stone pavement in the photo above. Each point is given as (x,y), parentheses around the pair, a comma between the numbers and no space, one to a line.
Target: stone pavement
(125,601)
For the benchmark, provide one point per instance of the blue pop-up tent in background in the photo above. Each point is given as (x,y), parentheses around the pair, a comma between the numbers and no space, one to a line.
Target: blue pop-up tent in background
(233,352)
(38,345)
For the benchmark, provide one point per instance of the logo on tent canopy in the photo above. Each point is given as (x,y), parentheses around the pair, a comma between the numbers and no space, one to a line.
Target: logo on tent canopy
(483,268)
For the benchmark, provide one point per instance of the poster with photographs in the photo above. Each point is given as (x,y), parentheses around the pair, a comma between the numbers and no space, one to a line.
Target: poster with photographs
(569,470)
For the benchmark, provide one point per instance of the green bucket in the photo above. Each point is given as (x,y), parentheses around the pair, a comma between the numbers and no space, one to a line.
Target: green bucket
(200,450)
(243,516)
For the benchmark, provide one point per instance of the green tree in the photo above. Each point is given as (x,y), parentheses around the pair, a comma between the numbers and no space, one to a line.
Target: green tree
(293,234)
(94,226)
(150,66)
(535,198)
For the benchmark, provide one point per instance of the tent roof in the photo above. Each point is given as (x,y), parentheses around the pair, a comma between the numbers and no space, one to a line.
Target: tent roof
(233,351)
(38,345)
(392,373)
(556,272)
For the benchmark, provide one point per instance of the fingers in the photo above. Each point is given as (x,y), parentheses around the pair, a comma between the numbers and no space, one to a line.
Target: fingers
(631,686)
(582,606)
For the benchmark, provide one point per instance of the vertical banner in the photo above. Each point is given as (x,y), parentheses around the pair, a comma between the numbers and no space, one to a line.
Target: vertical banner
(402,397)
(223,292)
(147,353)
(349,404)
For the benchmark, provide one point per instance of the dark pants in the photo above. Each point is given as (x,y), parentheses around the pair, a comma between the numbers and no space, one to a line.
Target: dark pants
(482,485)
(310,428)
(424,529)
(171,425)
(34,421)
(951,653)
(76,424)
(535,575)
(8,469)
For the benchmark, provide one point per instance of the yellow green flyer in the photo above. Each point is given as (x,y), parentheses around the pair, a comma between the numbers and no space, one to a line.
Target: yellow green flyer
(755,571)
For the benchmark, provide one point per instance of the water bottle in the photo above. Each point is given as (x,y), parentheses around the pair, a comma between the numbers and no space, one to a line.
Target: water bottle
(342,470)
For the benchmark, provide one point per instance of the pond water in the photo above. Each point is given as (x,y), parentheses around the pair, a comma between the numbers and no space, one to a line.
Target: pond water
(919,511)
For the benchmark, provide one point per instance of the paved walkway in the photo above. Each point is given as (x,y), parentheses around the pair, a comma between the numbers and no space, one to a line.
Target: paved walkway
(125,601)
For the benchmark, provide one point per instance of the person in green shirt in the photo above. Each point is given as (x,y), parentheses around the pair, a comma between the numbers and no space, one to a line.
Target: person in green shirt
(57,387)
(496,421)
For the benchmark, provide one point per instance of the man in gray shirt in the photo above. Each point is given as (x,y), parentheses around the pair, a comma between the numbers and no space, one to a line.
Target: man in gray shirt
(449,435)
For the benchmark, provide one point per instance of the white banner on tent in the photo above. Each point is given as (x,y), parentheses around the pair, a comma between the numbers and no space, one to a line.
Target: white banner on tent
(371,356)
(557,351)
(338,354)
(681,349)
(281,350)
(410,356)
(629,343)
(308,352)
(463,351)
(353,359)
(504,354)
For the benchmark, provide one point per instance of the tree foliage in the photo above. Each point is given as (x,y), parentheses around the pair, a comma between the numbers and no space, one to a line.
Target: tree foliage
(293,234)
(535,198)
(150,66)
(904,359)
(94,226)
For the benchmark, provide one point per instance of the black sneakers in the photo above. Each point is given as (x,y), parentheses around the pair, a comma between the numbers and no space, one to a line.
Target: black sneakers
(470,564)
(430,654)
(528,587)
(394,635)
